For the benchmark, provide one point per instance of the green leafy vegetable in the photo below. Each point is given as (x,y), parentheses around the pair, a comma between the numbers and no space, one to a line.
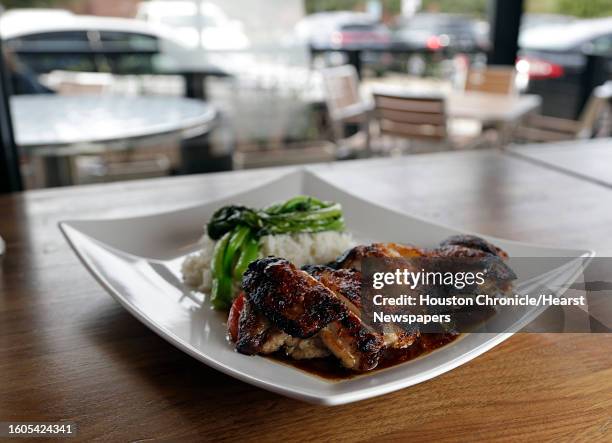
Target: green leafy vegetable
(299,214)
(221,293)
(239,235)
(249,253)
(228,217)
(238,230)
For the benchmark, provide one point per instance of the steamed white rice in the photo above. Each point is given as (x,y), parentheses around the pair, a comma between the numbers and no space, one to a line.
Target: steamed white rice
(300,249)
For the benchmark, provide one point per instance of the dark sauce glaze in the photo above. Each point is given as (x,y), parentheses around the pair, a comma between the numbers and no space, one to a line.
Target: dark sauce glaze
(330,368)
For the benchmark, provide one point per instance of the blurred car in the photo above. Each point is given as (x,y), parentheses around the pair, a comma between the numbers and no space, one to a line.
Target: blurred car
(45,40)
(555,58)
(342,30)
(531,20)
(198,25)
(433,32)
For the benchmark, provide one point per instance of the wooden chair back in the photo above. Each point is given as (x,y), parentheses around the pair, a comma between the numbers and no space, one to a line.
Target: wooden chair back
(492,79)
(411,117)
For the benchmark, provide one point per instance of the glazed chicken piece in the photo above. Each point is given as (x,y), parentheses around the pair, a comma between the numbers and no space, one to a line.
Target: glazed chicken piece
(347,283)
(290,298)
(352,258)
(343,282)
(356,344)
(256,335)
(265,329)
(472,243)
(459,246)
(316,311)
(499,274)
(455,247)
(285,306)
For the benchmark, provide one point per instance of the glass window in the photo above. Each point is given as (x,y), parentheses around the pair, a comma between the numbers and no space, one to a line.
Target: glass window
(128,41)
(65,41)
(603,45)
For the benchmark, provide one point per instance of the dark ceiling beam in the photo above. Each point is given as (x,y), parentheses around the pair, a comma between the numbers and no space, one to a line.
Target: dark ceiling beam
(505,22)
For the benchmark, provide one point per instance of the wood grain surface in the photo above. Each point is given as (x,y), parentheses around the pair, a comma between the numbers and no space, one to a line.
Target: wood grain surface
(68,351)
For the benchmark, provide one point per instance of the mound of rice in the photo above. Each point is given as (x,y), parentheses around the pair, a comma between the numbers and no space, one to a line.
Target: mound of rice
(300,249)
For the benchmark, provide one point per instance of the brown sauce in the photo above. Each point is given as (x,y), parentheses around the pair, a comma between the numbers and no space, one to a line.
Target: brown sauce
(330,368)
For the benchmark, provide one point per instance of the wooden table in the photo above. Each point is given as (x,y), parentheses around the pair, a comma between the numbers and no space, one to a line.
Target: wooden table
(589,160)
(499,111)
(68,351)
(485,107)
(491,108)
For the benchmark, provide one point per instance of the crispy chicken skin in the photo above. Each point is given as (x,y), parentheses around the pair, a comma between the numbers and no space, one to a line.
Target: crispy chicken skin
(283,299)
(499,274)
(253,331)
(352,258)
(346,283)
(290,298)
(343,282)
(256,335)
(349,339)
(472,243)
(456,246)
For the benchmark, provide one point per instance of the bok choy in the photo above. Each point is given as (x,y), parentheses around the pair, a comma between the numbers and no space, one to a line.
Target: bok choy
(237,230)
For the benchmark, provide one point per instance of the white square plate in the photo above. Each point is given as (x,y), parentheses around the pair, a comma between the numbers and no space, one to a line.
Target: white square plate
(137,260)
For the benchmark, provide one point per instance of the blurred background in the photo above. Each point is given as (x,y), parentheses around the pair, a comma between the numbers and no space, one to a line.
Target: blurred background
(106,90)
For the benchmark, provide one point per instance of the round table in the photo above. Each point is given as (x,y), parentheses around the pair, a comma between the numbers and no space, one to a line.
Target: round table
(60,127)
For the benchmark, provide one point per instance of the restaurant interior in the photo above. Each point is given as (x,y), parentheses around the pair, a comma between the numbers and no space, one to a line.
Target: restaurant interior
(491,116)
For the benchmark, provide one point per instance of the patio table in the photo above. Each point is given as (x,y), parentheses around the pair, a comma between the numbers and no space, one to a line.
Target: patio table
(68,351)
(492,110)
(586,159)
(58,128)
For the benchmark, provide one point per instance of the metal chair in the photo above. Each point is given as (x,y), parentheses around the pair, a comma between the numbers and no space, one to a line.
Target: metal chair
(594,121)
(345,106)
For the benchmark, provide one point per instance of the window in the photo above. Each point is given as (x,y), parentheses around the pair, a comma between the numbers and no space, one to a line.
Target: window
(128,41)
(65,41)
(603,45)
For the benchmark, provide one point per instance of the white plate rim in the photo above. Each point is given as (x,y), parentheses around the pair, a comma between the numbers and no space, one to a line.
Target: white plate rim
(328,399)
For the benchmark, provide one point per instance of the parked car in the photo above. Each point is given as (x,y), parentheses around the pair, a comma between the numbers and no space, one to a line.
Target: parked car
(49,39)
(342,30)
(532,20)
(198,25)
(555,57)
(433,32)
